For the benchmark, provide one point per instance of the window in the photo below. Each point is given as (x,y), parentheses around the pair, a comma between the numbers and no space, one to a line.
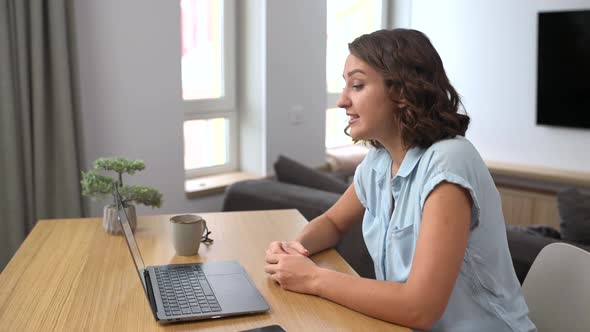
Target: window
(208,90)
(202,131)
(346,19)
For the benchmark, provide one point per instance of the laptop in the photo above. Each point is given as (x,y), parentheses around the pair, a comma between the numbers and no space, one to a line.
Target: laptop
(184,292)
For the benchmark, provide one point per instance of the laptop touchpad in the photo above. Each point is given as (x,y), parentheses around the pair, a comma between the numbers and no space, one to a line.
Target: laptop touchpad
(235,293)
(212,268)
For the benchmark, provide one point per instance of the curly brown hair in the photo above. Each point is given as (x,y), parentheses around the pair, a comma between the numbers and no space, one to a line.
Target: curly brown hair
(414,74)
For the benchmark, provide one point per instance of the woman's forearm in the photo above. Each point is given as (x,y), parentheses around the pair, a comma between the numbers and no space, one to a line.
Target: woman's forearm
(319,234)
(327,230)
(394,302)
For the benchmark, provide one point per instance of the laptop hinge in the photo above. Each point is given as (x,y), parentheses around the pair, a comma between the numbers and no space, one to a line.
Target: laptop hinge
(150,291)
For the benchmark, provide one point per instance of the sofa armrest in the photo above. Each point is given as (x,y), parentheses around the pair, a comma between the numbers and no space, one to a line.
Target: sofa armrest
(268,194)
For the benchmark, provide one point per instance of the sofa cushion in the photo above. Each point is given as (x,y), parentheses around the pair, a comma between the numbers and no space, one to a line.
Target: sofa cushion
(290,171)
(574,210)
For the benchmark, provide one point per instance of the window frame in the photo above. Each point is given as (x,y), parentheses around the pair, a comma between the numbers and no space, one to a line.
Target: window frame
(225,106)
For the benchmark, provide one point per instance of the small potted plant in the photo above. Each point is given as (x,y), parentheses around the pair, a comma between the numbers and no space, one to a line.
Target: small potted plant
(96,185)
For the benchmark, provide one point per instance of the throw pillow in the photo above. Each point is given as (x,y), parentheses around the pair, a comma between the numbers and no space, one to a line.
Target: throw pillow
(574,210)
(290,171)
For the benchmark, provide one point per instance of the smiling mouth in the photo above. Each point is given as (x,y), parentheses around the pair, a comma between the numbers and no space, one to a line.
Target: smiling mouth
(352,118)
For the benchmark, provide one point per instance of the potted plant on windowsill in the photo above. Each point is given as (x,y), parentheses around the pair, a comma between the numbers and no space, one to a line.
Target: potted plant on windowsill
(96,185)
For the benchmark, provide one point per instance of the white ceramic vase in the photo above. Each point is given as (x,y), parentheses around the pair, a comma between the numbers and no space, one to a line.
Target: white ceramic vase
(110,222)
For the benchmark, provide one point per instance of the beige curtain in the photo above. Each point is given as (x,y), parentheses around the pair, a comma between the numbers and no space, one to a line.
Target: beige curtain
(39,159)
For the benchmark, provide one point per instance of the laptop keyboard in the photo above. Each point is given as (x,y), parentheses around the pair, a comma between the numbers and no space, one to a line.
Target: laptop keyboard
(185,290)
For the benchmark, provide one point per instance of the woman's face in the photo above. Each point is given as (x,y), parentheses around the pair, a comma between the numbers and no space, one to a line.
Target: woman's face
(370,110)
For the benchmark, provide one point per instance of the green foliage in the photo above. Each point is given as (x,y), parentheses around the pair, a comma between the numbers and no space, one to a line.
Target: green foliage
(142,195)
(119,165)
(96,185)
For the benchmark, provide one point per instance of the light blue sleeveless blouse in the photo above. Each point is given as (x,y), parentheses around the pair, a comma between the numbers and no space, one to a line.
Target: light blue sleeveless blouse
(487,294)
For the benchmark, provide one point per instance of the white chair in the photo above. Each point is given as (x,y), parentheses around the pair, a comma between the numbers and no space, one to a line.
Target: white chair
(557,289)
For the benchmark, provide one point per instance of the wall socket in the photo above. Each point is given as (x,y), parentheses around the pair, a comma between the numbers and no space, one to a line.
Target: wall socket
(296,114)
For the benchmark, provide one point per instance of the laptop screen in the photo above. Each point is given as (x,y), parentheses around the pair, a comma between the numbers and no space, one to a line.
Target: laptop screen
(132,245)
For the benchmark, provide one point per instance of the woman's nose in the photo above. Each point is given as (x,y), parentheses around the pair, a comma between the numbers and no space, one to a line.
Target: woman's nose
(343,101)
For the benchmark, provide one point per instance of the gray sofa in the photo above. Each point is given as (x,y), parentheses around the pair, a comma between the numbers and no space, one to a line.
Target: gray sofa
(304,189)
(525,246)
(525,243)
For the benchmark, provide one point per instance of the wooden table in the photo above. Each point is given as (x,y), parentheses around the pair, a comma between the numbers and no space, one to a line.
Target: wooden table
(70,275)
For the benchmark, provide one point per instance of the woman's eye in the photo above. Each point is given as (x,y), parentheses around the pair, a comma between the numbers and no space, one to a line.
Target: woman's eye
(357,86)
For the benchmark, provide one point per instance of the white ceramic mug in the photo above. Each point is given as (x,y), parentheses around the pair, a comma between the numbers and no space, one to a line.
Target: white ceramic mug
(187,231)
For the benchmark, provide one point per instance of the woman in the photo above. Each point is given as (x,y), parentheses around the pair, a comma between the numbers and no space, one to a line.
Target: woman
(432,217)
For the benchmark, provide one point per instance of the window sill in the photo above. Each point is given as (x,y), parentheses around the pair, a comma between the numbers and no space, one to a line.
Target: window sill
(214,184)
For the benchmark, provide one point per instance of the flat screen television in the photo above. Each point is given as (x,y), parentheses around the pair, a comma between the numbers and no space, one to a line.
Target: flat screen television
(563,69)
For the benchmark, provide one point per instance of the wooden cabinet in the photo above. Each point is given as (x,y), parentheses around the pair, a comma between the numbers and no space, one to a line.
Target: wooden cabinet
(525,207)
(529,193)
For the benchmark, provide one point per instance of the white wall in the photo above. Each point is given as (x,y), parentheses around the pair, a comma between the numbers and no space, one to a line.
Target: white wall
(129,57)
(129,77)
(489,50)
(282,52)
(296,81)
